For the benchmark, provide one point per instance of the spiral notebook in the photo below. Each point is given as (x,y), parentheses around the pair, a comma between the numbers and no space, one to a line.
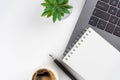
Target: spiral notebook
(94,58)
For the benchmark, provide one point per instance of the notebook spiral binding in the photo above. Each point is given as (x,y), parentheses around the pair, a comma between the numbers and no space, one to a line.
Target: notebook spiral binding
(77,45)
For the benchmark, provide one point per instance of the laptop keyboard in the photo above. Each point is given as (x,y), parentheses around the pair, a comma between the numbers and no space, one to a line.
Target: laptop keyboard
(106,16)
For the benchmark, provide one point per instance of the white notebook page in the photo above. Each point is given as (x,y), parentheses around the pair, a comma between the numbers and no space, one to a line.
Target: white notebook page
(94,58)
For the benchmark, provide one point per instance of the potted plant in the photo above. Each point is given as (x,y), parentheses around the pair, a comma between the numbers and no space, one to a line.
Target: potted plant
(56,9)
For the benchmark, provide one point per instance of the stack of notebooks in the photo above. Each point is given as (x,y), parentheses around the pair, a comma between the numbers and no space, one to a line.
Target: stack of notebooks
(93,58)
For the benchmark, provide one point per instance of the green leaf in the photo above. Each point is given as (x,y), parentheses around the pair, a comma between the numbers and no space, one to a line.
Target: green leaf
(44,13)
(65,2)
(62,14)
(68,6)
(52,1)
(45,4)
(65,10)
(49,15)
(54,17)
(59,9)
(59,16)
(60,1)
(48,9)
(46,1)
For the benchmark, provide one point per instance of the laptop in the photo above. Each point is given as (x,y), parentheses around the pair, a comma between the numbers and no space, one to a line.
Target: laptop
(104,17)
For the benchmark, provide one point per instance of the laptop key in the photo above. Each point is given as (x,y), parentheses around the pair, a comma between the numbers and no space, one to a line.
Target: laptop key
(103,6)
(101,14)
(114,2)
(113,19)
(110,28)
(118,13)
(112,10)
(117,32)
(93,21)
(119,5)
(118,23)
(101,24)
(106,1)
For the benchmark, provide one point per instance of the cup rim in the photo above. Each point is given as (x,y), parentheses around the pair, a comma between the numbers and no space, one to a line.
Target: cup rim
(43,67)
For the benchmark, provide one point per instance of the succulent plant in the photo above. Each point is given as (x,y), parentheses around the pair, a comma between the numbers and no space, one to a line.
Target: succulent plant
(56,9)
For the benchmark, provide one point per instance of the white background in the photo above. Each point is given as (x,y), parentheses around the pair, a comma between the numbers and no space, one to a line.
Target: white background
(26,38)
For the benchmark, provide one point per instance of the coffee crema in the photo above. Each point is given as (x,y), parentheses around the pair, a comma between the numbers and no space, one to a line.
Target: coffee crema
(44,74)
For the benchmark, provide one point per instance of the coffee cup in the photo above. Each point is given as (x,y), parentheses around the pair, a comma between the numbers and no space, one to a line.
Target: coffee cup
(44,73)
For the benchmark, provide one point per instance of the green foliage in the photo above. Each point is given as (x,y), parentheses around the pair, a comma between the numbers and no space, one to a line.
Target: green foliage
(56,9)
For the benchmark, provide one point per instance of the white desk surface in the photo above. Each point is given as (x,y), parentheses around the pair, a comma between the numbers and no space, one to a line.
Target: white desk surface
(26,38)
